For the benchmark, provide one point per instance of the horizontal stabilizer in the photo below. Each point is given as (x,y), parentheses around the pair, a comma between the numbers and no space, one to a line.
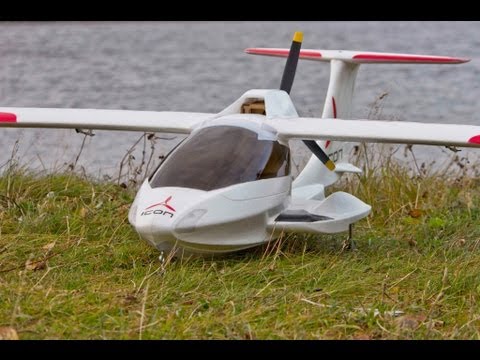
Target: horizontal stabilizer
(359,57)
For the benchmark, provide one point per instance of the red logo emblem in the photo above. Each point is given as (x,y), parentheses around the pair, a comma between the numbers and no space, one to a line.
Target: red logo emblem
(163,203)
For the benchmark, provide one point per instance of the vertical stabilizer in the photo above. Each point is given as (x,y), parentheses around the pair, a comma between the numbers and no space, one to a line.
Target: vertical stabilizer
(338,104)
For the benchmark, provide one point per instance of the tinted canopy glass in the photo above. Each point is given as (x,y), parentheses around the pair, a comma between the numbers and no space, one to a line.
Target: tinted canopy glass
(220,156)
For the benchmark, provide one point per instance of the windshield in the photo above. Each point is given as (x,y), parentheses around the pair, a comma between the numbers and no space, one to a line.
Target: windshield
(220,156)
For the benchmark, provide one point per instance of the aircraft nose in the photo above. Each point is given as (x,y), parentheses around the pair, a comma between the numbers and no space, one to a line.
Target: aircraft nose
(153,224)
(157,217)
(158,209)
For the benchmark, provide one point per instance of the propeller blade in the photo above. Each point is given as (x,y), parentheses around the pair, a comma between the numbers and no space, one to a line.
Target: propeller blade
(286,85)
(320,154)
(291,64)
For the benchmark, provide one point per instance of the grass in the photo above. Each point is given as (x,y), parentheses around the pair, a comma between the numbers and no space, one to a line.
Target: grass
(71,267)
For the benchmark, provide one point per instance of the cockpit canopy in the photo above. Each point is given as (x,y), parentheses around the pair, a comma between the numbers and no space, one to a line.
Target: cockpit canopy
(219,156)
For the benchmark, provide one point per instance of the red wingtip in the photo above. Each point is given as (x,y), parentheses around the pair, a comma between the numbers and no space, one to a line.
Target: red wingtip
(475,140)
(8,117)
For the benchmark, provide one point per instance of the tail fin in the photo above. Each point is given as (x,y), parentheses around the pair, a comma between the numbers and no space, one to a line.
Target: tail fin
(344,65)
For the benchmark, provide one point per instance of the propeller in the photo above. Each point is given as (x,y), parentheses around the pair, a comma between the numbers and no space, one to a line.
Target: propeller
(286,85)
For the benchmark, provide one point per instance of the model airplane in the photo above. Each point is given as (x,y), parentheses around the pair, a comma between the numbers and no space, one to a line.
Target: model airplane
(228,185)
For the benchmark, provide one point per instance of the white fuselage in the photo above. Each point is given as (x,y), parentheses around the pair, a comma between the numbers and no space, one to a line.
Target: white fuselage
(220,220)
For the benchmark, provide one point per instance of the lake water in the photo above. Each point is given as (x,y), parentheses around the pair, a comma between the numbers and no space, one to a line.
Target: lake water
(201,67)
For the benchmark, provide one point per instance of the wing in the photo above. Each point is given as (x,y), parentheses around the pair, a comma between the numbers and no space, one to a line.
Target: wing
(397,132)
(150,121)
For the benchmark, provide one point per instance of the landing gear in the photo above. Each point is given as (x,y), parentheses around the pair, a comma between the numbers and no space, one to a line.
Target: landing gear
(349,244)
(162,257)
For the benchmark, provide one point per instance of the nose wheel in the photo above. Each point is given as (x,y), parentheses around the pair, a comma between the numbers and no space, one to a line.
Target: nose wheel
(349,243)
